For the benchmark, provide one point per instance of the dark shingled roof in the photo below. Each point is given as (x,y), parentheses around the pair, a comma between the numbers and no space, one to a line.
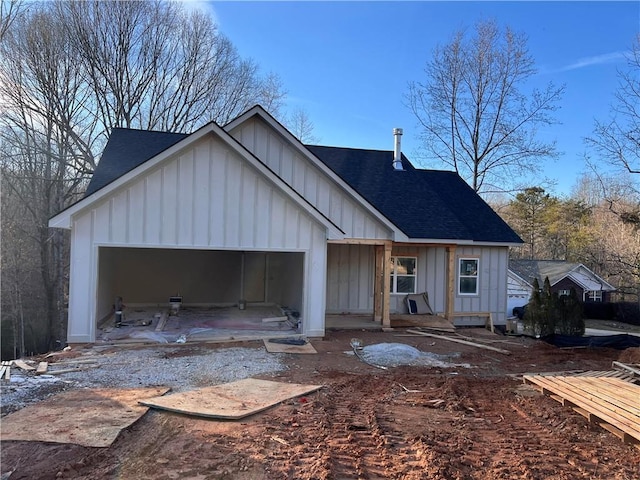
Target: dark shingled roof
(428,204)
(431,204)
(530,269)
(125,150)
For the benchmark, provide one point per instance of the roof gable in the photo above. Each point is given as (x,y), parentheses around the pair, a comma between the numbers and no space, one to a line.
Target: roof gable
(557,270)
(115,156)
(424,205)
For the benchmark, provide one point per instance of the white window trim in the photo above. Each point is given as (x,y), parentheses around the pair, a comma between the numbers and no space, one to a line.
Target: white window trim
(476,276)
(394,275)
(597,297)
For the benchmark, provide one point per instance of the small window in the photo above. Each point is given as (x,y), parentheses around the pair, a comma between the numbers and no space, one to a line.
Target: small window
(594,295)
(403,274)
(564,293)
(468,276)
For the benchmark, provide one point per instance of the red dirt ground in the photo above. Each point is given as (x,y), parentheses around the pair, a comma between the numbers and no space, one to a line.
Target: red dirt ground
(368,423)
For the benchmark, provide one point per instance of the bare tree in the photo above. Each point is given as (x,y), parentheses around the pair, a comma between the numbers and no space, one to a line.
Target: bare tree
(9,11)
(474,112)
(45,148)
(152,65)
(616,142)
(301,126)
(71,71)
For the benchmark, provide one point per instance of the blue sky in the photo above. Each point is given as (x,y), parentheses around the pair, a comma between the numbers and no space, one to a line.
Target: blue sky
(348,64)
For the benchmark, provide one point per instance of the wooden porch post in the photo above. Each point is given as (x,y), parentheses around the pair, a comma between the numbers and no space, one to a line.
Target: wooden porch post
(451,282)
(386,285)
(377,283)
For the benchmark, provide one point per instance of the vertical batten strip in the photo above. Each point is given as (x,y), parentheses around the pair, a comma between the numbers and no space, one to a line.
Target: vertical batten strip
(209,193)
(194,194)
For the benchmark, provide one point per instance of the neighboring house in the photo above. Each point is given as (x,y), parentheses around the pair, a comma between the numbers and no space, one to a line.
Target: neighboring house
(247,212)
(563,276)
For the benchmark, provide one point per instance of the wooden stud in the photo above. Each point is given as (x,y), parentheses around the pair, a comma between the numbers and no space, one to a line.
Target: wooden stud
(42,368)
(23,365)
(464,342)
(451,282)
(386,286)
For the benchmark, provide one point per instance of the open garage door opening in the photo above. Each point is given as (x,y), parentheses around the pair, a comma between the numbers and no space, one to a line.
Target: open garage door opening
(177,295)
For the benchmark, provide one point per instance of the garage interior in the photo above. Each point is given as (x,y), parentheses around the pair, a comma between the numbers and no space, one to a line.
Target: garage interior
(187,294)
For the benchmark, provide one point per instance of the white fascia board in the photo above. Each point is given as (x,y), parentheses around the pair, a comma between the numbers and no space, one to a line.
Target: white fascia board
(459,242)
(588,280)
(398,235)
(519,279)
(64,218)
(600,279)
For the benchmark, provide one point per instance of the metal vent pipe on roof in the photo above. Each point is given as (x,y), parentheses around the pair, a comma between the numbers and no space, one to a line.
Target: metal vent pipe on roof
(397,150)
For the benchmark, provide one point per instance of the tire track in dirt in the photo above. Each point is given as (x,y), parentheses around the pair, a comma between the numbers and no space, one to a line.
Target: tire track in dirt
(344,435)
(499,435)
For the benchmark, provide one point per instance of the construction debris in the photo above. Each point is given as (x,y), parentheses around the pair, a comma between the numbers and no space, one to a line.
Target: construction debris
(635,369)
(42,368)
(23,365)
(457,340)
(5,370)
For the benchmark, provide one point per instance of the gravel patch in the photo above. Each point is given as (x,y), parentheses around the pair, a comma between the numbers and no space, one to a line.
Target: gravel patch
(180,368)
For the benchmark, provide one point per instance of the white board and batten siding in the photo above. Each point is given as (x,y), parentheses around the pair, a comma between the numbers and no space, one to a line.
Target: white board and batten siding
(205,197)
(492,280)
(309,180)
(351,270)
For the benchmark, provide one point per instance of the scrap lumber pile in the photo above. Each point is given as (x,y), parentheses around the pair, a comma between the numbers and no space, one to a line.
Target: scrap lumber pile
(5,370)
(32,367)
(607,399)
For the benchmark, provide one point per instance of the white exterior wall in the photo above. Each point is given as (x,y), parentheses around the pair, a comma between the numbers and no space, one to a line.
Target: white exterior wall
(492,295)
(206,197)
(307,179)
(351,269)
(432,277)
(518,294)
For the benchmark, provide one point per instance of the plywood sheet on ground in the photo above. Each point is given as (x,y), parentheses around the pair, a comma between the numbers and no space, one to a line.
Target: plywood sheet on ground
(91,418)
(434,322)
(284,348)
(231,401)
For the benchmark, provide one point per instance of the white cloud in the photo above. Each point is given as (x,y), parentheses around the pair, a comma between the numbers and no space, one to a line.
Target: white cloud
(205,6)
(594,60)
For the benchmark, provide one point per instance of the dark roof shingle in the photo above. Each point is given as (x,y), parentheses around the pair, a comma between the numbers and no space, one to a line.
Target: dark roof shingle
(125,150)
(429,204)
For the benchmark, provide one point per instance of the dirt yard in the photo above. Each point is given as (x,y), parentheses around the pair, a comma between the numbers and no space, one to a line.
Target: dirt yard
(369,423)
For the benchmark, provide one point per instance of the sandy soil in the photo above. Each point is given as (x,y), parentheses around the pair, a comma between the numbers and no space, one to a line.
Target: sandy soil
(400,423)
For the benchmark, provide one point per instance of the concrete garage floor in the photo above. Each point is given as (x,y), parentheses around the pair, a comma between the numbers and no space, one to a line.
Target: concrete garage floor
(197,324)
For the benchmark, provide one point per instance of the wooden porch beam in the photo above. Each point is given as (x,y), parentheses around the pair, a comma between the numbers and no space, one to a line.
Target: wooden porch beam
(377,283)
(358,241)
(386,285)
(451,282)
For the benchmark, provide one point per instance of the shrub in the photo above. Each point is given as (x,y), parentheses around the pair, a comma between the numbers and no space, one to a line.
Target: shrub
(570,318)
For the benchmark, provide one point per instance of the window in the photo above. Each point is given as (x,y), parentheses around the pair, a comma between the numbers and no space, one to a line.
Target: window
(594,295)
(468,276)
(403,274)
(564,293)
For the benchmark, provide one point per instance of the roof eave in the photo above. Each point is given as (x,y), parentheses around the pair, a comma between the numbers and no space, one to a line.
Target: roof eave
(460,242)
